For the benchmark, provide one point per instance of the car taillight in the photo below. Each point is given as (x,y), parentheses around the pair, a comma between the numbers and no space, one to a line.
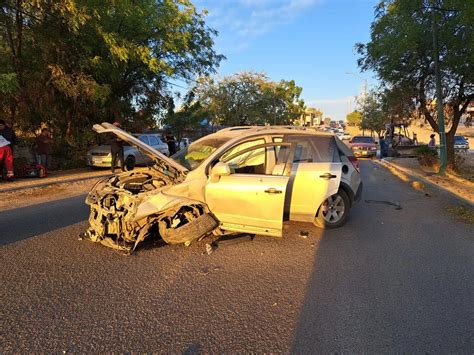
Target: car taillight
(355,163)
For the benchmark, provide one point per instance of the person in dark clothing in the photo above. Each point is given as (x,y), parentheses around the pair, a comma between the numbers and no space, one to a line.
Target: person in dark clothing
(171,144)
(44,148)
(383,147)
(116,149)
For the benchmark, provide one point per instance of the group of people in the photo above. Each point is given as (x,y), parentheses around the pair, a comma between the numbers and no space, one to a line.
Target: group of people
(8,141)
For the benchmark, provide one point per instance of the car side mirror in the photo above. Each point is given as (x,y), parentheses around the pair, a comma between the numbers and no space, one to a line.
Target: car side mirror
(218,170)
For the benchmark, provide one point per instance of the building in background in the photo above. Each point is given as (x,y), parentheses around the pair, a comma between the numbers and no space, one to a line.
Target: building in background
(310,117)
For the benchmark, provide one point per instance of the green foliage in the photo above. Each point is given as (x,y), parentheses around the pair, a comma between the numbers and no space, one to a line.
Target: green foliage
(72,63)
(373,116)
(250,98)
(186,118)
(8,83)
(401,52)
(354,118)
(426,156)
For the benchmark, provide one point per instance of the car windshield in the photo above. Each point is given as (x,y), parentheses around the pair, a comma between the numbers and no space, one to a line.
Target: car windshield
(459,140)
(362,140)
(191,156)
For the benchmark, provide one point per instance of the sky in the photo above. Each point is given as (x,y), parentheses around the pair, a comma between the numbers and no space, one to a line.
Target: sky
(309,41)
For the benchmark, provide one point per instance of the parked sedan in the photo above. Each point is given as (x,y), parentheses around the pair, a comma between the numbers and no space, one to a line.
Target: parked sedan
(238,180)
(363,146)
(101,157)
(461,144)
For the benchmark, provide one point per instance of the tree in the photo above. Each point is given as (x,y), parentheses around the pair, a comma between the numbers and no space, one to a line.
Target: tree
(188,117)
(354,118)
(374,117)
(72,63)
(250,98)
(401,52)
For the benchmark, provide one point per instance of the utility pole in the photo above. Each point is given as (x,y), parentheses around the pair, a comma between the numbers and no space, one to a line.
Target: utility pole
(439,94)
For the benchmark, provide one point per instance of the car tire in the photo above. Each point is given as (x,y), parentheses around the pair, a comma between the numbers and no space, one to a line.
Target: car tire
(130,163)
(333,211)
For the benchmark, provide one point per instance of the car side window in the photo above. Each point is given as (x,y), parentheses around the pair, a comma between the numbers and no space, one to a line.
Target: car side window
(325,149)
(153,141)
(303,152)
(250,162)
(240,147)
(144,139)
(263,160)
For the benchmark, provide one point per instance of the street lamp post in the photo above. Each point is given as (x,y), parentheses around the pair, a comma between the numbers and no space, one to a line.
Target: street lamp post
(362,78)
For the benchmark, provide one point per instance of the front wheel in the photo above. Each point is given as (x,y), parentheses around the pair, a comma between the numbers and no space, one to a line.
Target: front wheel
(333,211)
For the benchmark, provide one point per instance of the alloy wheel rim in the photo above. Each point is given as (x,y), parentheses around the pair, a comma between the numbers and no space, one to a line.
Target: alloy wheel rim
(333,209)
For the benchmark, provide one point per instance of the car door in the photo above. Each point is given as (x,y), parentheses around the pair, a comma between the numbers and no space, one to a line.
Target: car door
(252,198)
(315,175)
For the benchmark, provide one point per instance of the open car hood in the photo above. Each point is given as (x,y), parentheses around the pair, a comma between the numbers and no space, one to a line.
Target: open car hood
(167,167)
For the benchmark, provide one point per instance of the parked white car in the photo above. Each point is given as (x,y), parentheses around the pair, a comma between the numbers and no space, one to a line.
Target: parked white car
(344,136)
(238,180)
(100,156)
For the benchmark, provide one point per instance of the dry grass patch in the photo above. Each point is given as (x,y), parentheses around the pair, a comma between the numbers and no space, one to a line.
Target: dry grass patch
(462,213)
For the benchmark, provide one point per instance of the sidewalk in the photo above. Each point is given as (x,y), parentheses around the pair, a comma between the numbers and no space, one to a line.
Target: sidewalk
(53,178)
(452,185)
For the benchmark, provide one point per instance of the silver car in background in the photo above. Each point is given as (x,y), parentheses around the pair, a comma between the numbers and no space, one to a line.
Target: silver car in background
(100,156)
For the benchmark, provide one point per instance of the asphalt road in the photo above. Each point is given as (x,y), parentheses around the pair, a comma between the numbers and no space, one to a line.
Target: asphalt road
(388,281)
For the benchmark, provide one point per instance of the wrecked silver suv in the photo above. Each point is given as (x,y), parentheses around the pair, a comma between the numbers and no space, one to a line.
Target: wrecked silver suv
(238,180)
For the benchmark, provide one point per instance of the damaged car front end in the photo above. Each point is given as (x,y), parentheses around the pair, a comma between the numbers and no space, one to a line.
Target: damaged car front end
(130,207)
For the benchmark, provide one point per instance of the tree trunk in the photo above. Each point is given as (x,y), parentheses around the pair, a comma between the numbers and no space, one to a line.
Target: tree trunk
(450,148)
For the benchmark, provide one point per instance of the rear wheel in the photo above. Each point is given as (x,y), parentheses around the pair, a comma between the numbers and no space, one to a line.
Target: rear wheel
(333,211)
(130,162)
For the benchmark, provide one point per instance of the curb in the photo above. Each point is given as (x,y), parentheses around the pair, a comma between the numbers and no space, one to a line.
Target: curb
(418,177)
(44,184)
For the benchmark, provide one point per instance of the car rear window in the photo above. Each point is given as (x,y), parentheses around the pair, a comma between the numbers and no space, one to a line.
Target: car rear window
(313,149)
(144,139)
(153,141)
(325,149)
(363,140)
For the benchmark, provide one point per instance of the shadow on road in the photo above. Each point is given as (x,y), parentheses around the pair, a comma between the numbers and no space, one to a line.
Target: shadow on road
(26,222)
(387,281)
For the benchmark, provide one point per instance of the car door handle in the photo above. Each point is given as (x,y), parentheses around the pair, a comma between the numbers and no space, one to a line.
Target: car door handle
(328,176)
(272,190)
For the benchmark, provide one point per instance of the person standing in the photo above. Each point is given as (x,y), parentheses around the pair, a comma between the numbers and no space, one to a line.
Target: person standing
(7,142)
(8,134)
(6,158)
(171,144)
(116,149)
(44,148)
(383,147)
(432,142)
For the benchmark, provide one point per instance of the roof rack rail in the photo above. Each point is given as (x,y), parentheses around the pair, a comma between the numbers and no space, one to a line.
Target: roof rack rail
(259,128)
(237,128)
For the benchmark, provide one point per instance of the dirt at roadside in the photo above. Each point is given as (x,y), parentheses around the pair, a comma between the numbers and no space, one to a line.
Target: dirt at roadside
(38,195)
(455,184)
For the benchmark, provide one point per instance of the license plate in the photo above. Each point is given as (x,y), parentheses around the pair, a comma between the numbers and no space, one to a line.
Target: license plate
(364,152)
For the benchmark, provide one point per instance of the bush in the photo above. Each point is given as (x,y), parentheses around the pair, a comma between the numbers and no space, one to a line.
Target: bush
(427,156)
